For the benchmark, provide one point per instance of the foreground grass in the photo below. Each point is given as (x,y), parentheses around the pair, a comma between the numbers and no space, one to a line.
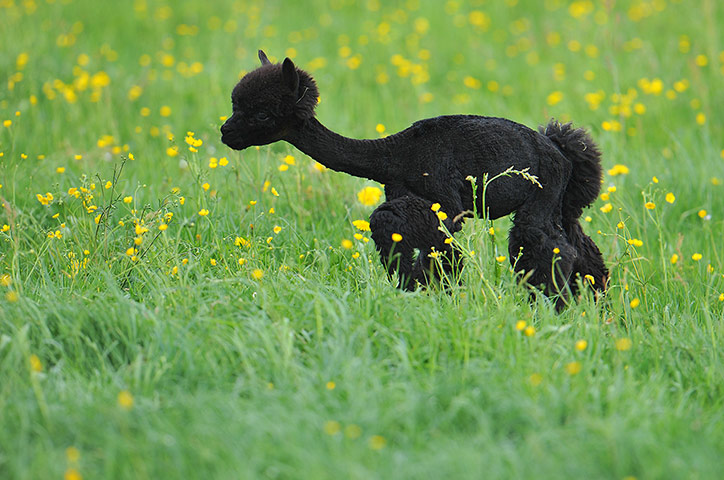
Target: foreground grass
(208,318)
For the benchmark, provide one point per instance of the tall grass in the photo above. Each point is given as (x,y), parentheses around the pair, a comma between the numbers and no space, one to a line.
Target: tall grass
(167,313)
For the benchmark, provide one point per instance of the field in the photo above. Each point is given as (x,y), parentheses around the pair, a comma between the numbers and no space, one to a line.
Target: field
(170,308)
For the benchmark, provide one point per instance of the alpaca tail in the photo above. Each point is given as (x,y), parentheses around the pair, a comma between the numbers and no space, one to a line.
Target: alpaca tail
(585,182)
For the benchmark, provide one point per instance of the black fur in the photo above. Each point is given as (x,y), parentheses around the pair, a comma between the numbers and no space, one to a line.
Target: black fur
(429,162)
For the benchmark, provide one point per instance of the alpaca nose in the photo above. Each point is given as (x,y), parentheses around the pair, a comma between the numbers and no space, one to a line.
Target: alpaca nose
(225,128)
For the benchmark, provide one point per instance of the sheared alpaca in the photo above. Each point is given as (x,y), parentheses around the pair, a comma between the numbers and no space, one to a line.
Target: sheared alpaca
(431,162)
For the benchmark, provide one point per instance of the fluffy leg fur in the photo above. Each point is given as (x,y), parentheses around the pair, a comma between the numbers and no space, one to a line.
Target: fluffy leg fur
(581,191)
(589,260)
(538,245)
(410,216)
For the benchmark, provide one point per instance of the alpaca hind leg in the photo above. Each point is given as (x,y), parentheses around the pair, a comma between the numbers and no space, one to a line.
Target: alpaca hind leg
(543,254)
(589,264)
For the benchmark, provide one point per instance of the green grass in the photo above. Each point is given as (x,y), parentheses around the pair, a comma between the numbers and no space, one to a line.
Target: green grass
(167,366)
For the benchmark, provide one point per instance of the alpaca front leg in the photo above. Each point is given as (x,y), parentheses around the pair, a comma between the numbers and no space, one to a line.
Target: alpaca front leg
(545,257)
(390,234)
(407,236)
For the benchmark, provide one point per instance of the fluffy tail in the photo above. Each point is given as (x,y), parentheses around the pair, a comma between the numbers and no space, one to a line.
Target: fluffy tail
(582,190)
(578,147)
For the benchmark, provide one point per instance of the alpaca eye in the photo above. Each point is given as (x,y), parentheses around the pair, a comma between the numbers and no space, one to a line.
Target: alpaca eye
(262,116)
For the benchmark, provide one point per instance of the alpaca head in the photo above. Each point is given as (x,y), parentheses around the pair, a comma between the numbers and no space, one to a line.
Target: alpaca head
(268,103)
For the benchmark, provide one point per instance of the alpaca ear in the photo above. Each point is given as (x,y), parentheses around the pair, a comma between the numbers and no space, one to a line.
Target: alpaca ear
(290,77)
(262,57)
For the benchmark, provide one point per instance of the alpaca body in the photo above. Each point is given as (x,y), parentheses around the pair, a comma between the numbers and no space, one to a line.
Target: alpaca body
(433,157)
(431,162)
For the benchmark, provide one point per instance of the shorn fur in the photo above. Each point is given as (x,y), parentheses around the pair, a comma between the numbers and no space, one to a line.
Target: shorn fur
(430,162)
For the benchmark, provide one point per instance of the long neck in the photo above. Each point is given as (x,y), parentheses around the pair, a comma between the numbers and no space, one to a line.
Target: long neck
(373,159)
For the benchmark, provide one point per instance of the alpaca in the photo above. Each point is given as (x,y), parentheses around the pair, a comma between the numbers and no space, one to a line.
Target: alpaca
(430,162)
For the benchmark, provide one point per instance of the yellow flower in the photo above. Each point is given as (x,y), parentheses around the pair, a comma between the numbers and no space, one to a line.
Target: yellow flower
(573,368)
(203,212)
(696,257)
(618,169)
(441,215)
(165,111)
(290,160)
(277,229)
(623,344)
(581,345)
(125,400)
(377,442)
(396,237)
(283,167)
(72,454)
(556,250)
(347,244)
(163,227)
(223,161)
(369,196)
(12,296)
(35,364)
(520,325)
(172,151)
(242,261)
(635,303)
(60,170)
(72,474)
(500,258)
(362,225)
(7,123)
(650,205)
(702,213)
(554,97)
(721,297)
(635,242)
(206,186)
(6,280)
(380,128)
(590,279)
(212,262)
(606,208)
(674,259)
(670,198)
(257,274)
(128,199)
(529,331)
(435,207)
(274,192)
(331,385)
(332,427)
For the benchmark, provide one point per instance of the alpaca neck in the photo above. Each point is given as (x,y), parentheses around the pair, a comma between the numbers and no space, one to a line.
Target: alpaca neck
(371,159)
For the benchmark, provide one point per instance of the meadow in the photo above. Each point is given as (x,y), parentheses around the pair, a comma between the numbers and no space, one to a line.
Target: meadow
(170,308)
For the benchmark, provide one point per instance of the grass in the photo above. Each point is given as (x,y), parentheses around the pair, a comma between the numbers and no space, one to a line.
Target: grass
(224,347)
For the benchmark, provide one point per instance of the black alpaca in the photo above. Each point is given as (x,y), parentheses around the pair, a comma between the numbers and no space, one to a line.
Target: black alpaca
(430,162)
